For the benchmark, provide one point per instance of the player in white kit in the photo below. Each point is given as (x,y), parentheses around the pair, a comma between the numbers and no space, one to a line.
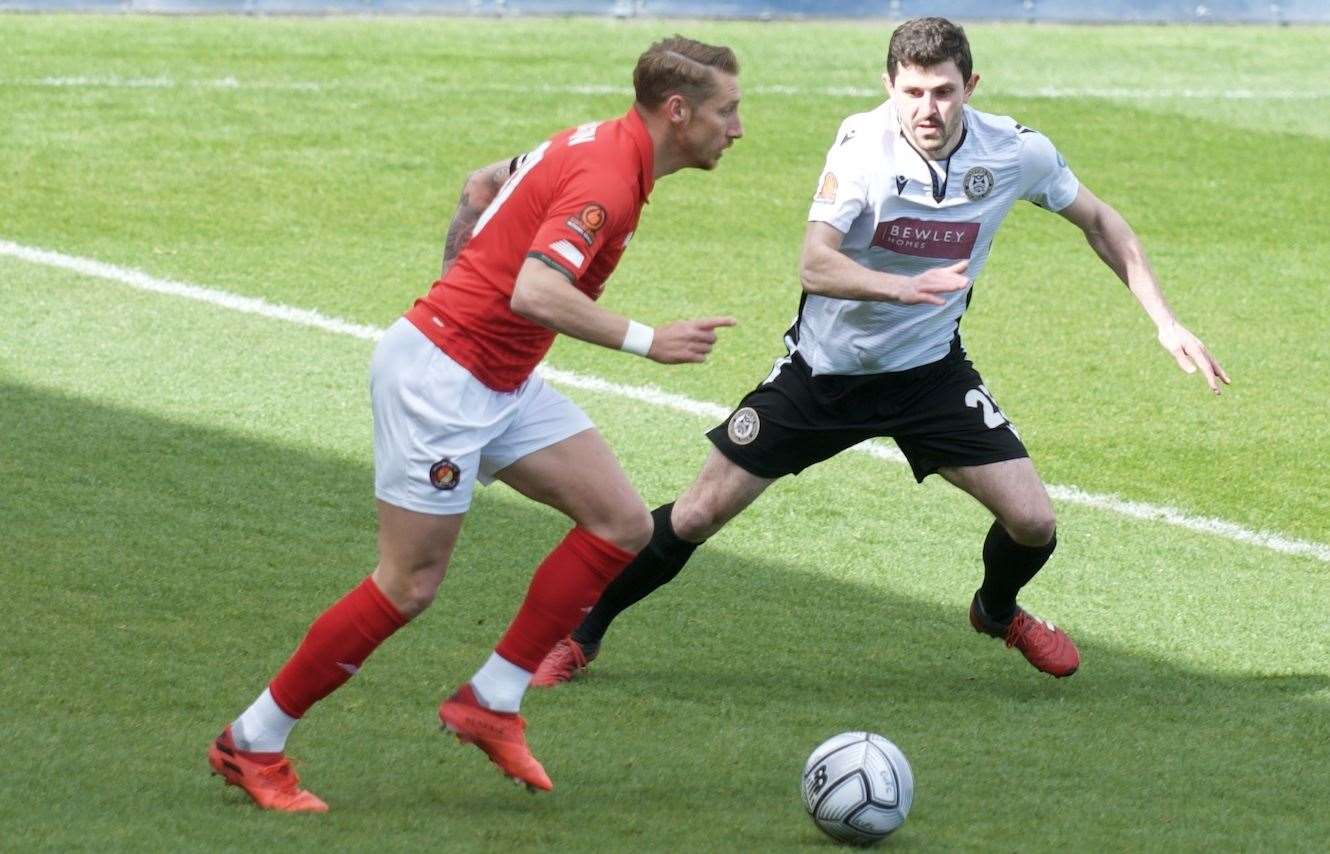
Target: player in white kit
(901,225)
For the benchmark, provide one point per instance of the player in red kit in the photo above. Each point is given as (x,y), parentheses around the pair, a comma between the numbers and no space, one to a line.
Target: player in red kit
(456,402)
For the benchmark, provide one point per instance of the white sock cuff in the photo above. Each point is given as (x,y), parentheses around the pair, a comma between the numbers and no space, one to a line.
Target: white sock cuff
(263,727)
(499,684)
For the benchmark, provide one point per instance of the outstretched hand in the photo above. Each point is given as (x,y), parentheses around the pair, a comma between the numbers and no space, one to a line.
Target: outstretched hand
(932,285)
(686,340)
(1191,355)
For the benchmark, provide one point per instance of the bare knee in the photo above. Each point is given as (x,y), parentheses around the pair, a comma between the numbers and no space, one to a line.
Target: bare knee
(412,588)
(423,587)
(695,518)
(629,529)
(1033,527)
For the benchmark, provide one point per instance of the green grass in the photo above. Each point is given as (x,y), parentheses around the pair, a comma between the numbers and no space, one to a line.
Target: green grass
(182,489)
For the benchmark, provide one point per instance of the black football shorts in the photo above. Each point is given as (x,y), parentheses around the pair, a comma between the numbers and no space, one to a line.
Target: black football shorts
(939,414)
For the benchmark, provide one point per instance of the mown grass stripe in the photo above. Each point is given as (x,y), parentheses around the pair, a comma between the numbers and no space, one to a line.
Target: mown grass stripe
(645,394)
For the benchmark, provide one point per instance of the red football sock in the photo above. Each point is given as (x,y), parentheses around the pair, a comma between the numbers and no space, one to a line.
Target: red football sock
(566,584)
(337,644)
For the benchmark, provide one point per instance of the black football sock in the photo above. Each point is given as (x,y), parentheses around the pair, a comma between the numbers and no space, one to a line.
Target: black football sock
(1008,566)
(654,566)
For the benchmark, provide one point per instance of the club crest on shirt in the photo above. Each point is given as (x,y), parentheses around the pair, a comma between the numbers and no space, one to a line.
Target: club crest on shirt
(592,217)
(978,183)
(587,222)
(826,191)
(744,426)
(445,475)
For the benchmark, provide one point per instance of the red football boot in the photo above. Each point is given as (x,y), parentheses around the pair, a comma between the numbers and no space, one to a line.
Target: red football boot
(566,660)
(500,734)
(272,786)
(1043,644)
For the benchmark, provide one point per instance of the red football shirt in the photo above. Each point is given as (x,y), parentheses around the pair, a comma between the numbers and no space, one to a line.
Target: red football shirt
(573,202)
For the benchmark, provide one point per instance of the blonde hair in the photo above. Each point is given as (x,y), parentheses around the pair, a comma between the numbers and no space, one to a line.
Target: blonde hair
(680,65)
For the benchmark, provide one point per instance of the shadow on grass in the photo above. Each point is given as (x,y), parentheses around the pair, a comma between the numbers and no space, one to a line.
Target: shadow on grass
(155,574)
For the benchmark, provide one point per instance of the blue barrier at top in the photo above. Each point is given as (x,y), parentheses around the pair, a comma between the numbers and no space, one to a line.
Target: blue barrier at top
(1244,11)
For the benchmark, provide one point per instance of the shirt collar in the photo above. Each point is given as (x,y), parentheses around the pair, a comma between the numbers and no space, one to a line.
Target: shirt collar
(911,163)
(646,149)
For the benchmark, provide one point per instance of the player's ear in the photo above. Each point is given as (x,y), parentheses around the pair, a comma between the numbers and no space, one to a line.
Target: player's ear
(970,86)
(886,83)
(676,109)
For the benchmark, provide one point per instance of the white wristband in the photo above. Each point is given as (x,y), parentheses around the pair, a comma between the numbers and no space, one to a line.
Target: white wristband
(638,339)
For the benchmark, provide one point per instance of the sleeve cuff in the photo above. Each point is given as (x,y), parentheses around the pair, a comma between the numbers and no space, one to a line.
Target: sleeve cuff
(550,262)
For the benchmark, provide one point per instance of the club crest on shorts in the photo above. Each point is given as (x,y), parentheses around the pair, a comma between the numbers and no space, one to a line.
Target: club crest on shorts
(445,475)
(978,182)
(744,426)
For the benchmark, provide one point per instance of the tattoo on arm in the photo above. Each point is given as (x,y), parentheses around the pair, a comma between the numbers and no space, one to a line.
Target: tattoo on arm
(480,189)
(500,172)
(459,230)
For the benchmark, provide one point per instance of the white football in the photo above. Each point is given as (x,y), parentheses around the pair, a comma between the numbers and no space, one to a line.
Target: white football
(858,787)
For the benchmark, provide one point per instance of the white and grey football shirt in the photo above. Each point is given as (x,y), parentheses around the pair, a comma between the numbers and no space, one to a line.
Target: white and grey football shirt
(902,213)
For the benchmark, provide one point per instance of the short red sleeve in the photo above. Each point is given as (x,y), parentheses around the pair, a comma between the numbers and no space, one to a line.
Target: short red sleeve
(591,208)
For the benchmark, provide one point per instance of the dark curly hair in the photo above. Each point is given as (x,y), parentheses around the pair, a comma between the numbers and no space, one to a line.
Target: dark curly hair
(925,42)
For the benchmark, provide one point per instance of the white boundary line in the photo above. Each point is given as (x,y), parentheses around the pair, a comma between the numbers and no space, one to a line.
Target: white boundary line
(233,84)
(645,394)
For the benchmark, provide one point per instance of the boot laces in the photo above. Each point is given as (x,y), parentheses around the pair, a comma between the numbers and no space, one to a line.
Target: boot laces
(1026,628)
(281,776)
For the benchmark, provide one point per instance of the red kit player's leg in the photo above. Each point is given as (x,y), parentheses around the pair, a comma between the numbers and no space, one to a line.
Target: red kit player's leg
(250,753)
(581,477)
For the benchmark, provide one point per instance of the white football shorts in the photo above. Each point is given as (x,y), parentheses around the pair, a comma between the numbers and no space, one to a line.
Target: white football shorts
(438,429)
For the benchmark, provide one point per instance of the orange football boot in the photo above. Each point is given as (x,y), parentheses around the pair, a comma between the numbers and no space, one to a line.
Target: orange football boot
(272,787)
(1043,644)
(500,734)
(565,661)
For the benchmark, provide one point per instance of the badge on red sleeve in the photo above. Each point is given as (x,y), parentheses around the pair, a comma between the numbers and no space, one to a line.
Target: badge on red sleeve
(587,222)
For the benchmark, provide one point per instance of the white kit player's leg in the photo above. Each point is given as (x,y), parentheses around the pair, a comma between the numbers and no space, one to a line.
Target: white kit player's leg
(1019,543)
(721,491)
(1013,492)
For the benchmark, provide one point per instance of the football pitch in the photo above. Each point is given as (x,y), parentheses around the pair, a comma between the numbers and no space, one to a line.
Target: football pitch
(184,486)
